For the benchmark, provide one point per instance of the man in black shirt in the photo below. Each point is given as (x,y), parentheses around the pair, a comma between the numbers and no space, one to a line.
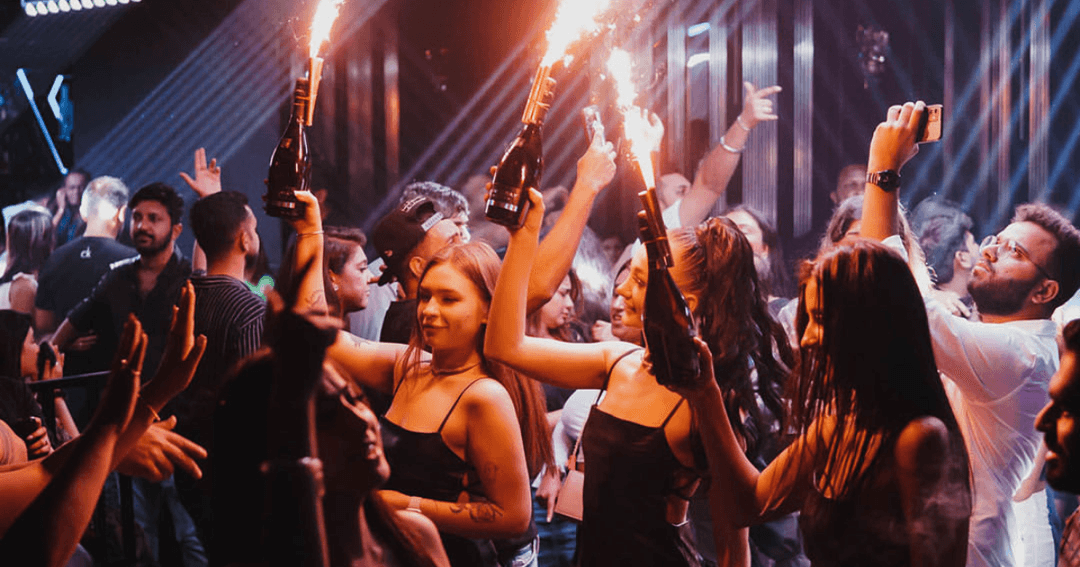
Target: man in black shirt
(75,268)
(148,285)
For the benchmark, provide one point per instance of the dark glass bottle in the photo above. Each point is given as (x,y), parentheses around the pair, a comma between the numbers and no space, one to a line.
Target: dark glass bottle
(520,169)
(522,166)
(290,166)
(669,326)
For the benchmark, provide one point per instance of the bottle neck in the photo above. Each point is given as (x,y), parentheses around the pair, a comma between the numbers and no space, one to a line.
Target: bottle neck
(540,97)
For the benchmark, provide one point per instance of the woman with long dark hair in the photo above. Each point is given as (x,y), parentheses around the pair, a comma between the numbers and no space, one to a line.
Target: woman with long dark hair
(879,469)
(639,443)
(18,406)
(29,243)
(463,434)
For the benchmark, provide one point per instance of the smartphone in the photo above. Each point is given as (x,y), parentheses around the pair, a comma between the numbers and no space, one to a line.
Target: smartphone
(25,426)
(591,116)
(930,124)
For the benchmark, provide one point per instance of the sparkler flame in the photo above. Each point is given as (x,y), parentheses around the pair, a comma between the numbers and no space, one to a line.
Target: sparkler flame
(574,18)
(325,14)
(636,127)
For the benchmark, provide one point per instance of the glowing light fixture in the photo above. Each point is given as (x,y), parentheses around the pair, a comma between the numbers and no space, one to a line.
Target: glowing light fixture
(34,8)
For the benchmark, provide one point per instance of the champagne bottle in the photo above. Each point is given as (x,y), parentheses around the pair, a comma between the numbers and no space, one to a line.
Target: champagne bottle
(669,326)
(522,166)
(290,166)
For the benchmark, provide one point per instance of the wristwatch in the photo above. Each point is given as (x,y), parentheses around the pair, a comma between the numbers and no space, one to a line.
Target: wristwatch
(888,180)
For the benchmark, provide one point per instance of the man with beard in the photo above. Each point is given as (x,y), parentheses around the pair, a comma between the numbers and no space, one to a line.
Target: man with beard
(1058,421)
(148,285)
(997,370)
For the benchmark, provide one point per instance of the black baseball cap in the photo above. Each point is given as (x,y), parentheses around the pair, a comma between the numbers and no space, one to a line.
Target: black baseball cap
(399,232)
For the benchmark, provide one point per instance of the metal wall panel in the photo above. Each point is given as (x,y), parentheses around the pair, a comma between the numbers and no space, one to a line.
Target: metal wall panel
(759,59)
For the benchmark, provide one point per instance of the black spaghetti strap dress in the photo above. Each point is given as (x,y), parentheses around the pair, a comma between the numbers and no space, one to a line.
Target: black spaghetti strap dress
(630,471)
(422,465)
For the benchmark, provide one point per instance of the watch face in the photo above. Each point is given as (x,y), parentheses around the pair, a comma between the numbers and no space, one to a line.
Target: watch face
(888,180)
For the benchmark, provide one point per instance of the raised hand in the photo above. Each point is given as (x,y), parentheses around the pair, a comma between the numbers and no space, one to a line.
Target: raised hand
(596,168)
(183,350)
(757,107)
(894,141)
(207,179)
(311,222)
(655,131)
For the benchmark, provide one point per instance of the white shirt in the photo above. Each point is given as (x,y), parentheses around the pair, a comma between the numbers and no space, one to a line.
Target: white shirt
(996,376)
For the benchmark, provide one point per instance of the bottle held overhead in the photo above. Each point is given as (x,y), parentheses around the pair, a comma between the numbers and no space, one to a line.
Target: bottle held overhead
(290,165)
(522,166)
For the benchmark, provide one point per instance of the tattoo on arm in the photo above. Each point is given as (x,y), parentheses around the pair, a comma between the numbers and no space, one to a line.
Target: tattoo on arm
(484,512)
(315,298)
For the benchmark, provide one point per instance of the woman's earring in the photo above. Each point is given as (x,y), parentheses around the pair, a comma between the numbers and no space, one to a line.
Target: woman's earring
(335,287)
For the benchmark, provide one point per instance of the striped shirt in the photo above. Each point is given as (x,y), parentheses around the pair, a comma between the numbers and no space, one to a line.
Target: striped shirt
(231,317)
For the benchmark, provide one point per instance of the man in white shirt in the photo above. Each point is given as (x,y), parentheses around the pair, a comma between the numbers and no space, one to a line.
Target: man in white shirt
(998,370)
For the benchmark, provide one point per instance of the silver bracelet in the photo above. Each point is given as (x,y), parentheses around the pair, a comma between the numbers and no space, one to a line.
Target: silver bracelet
(738,120)
(723,144)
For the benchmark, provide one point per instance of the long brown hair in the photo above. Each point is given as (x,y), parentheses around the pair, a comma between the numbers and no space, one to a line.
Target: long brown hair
(874,368)
(480,265)
(716,264)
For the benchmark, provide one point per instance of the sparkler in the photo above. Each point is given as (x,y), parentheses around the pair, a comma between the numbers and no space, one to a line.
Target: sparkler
(325,14)
(574,19)
(643,137)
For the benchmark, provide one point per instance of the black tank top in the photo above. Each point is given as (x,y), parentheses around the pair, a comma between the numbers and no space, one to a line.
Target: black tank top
(630,471)
(422,465)
(866,527)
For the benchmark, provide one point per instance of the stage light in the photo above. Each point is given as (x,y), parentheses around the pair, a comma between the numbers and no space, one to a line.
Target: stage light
(42,9)
(30,10)
(75,5)
(697,29)
(53,8)
(87,4)
(110,2)
(64,7)
(99,3)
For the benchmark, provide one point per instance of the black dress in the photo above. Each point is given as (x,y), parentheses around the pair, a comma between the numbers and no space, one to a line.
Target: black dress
(422,465)
(630,472)
(865,527)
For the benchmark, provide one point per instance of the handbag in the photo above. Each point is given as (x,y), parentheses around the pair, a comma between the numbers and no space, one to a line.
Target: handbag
(568,502)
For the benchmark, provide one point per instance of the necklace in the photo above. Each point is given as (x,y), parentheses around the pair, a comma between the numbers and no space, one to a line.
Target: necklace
(449,371)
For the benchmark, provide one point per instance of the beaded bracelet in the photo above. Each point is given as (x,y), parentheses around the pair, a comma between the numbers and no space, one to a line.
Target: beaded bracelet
(738,120)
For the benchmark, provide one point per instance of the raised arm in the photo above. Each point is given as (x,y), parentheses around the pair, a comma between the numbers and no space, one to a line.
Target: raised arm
(46,505)
(719,164)
(595,170)
(892,146)
(207,181)
(365,362)
(310,295)
(743,495)
(495,449)
(563,364)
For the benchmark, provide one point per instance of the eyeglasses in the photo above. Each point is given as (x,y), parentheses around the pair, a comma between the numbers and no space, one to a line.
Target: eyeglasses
(1014,250)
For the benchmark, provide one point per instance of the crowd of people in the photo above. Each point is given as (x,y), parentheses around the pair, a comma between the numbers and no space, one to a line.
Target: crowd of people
(437,404)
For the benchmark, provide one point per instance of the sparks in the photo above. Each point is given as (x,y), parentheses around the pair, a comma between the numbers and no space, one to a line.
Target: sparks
(637,129)
(574,19)
(325,15)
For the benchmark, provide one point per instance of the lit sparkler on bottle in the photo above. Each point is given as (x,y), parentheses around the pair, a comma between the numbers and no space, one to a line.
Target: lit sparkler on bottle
(643,136)
(325,14)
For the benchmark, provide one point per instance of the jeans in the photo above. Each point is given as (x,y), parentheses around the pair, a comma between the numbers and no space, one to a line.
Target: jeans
(152,501)
(558,538)
(526,556)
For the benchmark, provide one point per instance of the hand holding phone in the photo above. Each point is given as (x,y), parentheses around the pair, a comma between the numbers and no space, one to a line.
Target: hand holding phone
(930,124)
